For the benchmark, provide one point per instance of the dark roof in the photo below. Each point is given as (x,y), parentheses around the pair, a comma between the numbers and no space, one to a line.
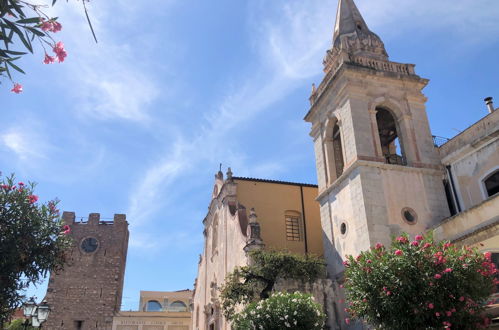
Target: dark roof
(275,181)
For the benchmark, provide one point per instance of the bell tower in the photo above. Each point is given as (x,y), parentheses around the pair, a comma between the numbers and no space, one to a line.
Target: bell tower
(378,170)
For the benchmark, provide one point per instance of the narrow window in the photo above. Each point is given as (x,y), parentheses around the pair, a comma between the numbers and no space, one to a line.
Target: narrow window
(197,316)
(333,152)
(293,226)
(450,200)
(338,151)
(214,236)
(492,184)
(391,145)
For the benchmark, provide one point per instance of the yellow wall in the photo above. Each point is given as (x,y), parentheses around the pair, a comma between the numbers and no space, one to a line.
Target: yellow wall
(271,201)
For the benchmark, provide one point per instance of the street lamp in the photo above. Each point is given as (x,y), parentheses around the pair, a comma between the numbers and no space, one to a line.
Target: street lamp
(37,313)
(29,308)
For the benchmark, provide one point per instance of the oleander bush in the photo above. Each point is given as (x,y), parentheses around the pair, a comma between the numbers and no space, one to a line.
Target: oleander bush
(419,284)
(33,241)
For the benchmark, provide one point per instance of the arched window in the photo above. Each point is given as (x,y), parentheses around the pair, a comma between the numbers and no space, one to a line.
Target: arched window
(338,151)
(391,144)
(334,152)
(293,226)
(154,306)
(177,306)
(491,184)
(214,236)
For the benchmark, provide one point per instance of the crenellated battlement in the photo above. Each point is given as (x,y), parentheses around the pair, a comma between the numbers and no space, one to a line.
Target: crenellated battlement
(93,219)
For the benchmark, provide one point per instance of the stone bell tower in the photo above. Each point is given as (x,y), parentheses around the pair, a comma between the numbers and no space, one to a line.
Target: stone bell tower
(87,292)
(378,171)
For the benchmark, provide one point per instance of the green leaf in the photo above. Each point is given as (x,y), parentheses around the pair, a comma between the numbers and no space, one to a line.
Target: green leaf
(14,52)
(35,31)
(15,67)
(17,8)
(20,34)
(32,20)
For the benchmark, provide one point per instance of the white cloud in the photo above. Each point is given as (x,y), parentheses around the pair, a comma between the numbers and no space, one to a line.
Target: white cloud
(21,144)
(25,142)
(108,80)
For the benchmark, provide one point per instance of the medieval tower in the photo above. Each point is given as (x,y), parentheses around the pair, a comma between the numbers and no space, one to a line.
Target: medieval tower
(87,293)
(378,171)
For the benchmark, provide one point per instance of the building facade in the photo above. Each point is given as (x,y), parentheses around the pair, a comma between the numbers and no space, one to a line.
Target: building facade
(87,292)
(378,167)
(158,310)
(288,219)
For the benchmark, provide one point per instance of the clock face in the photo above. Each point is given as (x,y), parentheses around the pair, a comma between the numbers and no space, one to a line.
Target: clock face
(89,244)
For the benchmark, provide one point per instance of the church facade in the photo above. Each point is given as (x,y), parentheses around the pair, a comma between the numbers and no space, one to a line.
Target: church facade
(379,169)
(288,218)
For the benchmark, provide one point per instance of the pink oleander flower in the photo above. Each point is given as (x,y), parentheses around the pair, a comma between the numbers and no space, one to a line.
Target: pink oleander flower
(418,238)
(437,314)
(415,243)
(32,198)
(431,306)
(388,293)
(47,25)
(60,52)
(66,229)
(20,184)
(378,246)
(398,252)
(488,255)
(18,88)
(461,298)
(347,320)
(402,239)
(426,245)
(437,276)
(56,27)
(448,270)
(369,261)
(48,59)
(345,263)
(448,313)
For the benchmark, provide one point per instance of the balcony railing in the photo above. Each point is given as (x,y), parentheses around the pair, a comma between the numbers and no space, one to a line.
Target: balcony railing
(438,141)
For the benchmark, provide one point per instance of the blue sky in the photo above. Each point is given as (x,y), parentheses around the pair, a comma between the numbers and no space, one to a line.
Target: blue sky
(139,122)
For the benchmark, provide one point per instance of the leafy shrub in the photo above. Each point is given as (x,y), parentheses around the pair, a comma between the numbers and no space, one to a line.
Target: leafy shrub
(419,284)
(255,282)
(33,241)
(281,311)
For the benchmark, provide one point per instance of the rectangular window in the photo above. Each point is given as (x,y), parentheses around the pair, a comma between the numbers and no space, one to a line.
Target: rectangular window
(293,228)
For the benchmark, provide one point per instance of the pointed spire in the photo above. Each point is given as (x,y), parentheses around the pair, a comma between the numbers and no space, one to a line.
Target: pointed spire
(348,19)
(352,38)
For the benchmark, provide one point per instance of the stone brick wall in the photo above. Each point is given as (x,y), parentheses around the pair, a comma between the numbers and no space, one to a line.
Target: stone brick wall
(87,293)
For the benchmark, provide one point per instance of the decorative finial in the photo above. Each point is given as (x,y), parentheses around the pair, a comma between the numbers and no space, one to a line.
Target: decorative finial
(253,233)
(252,216)
(313,89)
(220,175)
(229,174)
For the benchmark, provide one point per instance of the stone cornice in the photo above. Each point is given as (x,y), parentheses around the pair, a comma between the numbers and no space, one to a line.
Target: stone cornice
(358,163)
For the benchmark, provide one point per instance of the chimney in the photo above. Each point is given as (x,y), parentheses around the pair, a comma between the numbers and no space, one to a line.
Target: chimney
(490,104)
